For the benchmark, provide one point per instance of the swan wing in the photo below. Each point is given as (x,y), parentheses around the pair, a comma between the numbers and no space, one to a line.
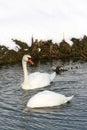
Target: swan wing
(38,80)
(47,99)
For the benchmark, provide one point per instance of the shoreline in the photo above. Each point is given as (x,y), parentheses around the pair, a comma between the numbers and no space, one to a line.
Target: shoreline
(45,50)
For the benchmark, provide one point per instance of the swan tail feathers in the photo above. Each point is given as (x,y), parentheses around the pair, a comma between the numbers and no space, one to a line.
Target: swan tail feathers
(52,76)
(69,98)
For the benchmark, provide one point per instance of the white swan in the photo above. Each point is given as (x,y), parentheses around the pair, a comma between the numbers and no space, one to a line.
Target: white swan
(37,79)
(47,99)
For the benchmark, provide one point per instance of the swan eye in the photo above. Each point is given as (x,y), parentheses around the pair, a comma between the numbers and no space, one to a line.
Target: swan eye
(29,58)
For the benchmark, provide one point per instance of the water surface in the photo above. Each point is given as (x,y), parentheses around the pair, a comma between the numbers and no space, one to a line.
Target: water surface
(15,116)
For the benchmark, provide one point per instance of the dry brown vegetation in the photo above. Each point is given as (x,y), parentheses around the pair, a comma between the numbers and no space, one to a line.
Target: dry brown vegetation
(46,50)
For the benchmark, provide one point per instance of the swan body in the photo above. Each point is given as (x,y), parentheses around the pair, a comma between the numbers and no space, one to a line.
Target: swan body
(47,99)
(37,79)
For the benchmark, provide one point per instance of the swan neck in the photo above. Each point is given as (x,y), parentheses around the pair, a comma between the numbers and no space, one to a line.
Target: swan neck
(24,64)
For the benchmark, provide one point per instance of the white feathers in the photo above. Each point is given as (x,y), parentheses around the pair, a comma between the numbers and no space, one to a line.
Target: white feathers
(36,79)
(47,99)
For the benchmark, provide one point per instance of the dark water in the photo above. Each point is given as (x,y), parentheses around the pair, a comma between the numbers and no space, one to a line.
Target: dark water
(15,116)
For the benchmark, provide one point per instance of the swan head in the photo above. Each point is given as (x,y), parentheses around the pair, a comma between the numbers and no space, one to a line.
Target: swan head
(27,58)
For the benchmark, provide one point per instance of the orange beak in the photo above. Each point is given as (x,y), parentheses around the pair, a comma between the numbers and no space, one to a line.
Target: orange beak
(30,61)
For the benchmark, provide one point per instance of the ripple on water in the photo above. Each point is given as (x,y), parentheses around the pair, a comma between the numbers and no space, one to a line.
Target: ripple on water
(66,117)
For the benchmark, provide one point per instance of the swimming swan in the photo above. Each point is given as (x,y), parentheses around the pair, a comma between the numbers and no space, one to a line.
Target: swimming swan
(47,99)
(36,79)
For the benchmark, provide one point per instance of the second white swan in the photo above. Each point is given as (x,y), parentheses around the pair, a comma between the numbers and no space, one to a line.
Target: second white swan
(36,79)
(47,99)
